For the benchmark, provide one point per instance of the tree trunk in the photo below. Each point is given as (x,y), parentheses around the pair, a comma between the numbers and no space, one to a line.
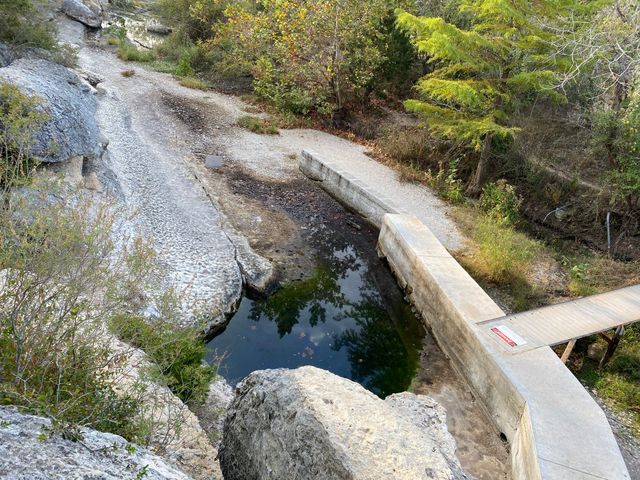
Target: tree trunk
(477,182)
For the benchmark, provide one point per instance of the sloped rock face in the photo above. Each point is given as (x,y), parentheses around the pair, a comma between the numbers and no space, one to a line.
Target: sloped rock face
(88,12)
(310,424)
(28,451)
(71,130)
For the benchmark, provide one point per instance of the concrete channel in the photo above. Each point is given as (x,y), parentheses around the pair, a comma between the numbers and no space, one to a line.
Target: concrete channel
(555,429)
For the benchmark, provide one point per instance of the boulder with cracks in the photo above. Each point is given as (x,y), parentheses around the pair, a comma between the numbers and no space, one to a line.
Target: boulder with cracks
(30,449)
(88,12)
(310,424)
(71,129)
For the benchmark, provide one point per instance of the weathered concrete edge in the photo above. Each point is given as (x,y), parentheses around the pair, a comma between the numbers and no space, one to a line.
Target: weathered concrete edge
(348,189)
(555,428)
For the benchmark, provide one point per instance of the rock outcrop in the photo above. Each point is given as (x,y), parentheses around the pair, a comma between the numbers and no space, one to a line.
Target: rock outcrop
(71,130)
(88,12)
(174,429)
(30,449)
(310,424)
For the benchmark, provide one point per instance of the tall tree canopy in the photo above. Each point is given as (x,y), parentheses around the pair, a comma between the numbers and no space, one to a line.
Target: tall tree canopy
(484,72)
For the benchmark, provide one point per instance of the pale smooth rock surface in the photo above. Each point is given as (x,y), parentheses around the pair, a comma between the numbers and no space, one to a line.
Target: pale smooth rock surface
(310,424)
(87,12)
(29,451)
(71,130)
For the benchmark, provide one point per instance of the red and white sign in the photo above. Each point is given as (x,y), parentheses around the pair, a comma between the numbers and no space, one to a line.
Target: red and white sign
(509,336)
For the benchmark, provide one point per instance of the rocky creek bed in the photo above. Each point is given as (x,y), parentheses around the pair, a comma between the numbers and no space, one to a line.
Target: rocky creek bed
(251,222)
(222,230)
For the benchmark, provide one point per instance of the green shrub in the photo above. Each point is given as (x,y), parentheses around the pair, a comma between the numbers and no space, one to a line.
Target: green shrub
(123,4)
(500,201)
(20,116)
(502,254)
(130,53)
(193,18)
(179,353)
(184,68)
(56,254)
(20,24)
(447,184)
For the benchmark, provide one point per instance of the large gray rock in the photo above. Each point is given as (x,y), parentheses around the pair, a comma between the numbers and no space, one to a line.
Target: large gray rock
(88,12)
(71,130)
(29,451)
(431,417)
(310,424)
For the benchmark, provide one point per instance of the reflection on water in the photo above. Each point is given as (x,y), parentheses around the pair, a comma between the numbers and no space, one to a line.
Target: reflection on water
(349,318)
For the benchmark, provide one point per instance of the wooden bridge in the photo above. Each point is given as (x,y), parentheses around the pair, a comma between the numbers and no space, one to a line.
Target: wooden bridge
(569,321)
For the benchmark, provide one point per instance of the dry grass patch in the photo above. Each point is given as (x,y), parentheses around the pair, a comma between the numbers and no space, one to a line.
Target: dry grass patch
(258,125)
(193,82)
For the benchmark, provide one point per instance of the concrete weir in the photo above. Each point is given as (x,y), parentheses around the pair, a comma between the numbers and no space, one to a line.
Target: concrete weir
(555,429)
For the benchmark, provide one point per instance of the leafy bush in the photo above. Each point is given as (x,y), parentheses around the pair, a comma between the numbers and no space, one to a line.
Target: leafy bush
(21,24)
(501,202)
(20,116)
(61,275)
(184,68)
(309,54)
(192,18)
(446,182)
(179,352)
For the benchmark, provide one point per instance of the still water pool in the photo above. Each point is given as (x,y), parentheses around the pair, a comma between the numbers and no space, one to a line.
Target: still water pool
(348,317)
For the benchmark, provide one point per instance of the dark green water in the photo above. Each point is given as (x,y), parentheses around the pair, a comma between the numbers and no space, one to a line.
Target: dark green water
(349,317)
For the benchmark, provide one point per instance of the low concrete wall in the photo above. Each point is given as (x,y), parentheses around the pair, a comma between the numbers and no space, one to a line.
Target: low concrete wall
(555,429)
(348,189)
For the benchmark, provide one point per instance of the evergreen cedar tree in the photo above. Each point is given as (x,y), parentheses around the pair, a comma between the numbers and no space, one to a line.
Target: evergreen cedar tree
(483,73)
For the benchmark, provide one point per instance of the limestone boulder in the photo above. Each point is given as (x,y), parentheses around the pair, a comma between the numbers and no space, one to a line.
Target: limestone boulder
(29,449)
(71,130)
(88,12)
(310,424)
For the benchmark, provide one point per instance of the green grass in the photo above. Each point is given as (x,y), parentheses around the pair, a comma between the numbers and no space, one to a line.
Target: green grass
(193,82)
(257,125)
(130,53)
(163,66)
(619,381)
